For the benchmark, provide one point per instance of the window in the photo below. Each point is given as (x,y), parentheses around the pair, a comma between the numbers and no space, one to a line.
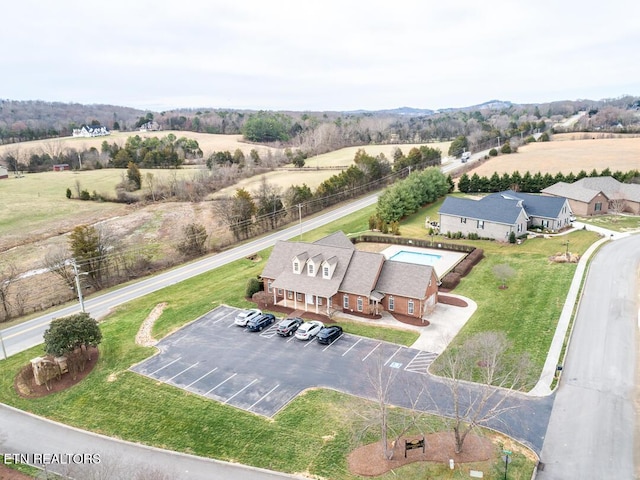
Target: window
(391,303)
(296,267)
(299,296)
(545,223)
(410,307)
(319,300)
(269,288)
(325,271)
(345,301)
(290,295)
(598,207)
(463,220)
(360,304)
(480,223)
(280,292)
(310,269)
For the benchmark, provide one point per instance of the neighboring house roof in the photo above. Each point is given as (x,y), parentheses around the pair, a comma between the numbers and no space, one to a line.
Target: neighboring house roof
(585,189)
(492,209)
(535,205)
(362,273)
(404,279)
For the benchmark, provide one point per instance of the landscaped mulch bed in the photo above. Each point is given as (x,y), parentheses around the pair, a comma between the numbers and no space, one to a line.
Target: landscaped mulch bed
(369,460)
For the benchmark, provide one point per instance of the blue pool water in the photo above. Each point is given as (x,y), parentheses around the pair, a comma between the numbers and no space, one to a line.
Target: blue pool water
(416,257)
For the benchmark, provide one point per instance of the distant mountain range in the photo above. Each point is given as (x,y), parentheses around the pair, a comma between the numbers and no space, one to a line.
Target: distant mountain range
(411,111)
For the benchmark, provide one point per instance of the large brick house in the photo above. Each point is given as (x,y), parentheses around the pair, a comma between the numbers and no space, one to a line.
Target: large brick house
(598,195)
(331,274)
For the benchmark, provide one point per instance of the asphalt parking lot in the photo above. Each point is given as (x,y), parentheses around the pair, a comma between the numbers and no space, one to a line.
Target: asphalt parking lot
(261,372)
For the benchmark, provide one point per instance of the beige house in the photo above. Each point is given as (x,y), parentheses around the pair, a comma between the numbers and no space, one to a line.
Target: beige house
(598,196)
(330,274)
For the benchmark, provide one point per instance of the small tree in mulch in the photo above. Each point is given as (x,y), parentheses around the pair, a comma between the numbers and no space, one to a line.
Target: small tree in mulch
(503,272)
(71,337)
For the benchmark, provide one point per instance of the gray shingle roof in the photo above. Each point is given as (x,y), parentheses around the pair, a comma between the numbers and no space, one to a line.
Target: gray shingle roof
(492,209)
(337,239)
(404,279)
(574,191)
(535,205)
(362,274)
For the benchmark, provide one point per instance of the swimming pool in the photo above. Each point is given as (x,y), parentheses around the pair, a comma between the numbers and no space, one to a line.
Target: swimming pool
(416,257)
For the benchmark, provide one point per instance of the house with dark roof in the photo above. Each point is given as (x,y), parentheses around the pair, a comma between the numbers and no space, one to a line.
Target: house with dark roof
(331,274)
(497,215)
(598,195)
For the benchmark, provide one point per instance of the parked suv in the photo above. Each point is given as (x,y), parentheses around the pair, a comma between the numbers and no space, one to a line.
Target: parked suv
(308,330)
(288,326)
(243,317)
(329,334)
(256,324)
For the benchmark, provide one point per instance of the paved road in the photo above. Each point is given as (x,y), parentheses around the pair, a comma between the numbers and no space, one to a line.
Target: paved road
(592,426)
(29,334)
(107,458)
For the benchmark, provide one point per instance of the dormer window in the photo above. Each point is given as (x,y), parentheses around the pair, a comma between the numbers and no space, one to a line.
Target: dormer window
(328,266)
(310,269)
(296,266)
(325,271)
(298,262)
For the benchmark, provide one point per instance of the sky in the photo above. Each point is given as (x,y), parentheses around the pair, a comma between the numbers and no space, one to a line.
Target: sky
(329,55)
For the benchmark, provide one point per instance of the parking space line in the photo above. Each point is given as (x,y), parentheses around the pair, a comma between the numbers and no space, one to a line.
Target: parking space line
(188,368)
(224,317)
(241,390)
(325,348)
(292,337)
(195,381)
(394,354)
(168,364)
(349,349)
(374,349)
(309,342)
(222,382)
(263,397)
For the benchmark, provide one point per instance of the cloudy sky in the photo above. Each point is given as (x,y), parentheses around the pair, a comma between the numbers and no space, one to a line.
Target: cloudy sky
(318,55)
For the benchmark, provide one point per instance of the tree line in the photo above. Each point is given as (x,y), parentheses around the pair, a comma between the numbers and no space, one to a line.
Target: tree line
(533,183)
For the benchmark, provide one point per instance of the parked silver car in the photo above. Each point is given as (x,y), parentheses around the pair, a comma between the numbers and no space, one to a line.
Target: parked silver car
(243,317)
(308,330)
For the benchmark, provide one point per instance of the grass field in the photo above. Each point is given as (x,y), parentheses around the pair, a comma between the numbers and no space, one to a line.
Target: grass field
(566,155)
(208,142)
(313,434)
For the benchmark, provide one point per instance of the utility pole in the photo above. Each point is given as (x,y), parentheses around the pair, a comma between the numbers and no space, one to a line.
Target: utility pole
(300,218)
(78,287)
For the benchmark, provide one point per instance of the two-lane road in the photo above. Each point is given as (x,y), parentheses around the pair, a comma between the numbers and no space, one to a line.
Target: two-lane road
(29,334)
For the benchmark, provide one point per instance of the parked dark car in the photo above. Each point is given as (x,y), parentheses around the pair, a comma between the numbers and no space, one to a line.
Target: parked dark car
(258,323)
(288,326)
(329,334)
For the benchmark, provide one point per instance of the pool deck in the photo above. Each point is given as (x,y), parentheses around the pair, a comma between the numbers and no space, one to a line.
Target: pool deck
(442,266)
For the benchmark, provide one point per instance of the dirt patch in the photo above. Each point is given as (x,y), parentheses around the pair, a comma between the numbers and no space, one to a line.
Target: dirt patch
(8,474)
(144,337)
(440,447)
(25,384)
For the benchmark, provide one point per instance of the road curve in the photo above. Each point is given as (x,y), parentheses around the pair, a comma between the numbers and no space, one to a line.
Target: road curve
(592,425)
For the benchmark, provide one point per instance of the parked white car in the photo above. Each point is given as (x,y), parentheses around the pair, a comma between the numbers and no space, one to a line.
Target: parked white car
(243,317)
(308,330)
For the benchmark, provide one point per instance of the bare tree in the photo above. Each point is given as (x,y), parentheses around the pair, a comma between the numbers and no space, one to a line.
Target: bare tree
(393,423)
(617,206)
(57,261)
(8,275)
(503,272)
(481,359)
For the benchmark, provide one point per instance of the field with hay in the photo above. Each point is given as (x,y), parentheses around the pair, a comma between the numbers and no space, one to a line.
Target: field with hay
(208,142)
(568,153)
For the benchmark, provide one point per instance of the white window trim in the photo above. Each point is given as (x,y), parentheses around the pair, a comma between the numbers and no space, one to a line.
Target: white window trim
(410,307)
(360,304)
(345,301)
(392,303)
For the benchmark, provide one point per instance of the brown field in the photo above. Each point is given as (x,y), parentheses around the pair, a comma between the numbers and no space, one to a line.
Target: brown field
(208,142)
(568,153)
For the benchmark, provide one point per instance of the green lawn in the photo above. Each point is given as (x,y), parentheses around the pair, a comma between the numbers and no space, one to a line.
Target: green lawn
(617,223)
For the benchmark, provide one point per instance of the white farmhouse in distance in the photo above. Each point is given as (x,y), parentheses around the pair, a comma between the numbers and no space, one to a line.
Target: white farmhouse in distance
(90,131)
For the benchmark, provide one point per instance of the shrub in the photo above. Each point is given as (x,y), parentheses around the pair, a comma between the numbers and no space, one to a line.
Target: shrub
(253,286)
(506,148)
(493,152)
(475,256)
(512,237)
(450,281)
(68,193)
(85,195)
